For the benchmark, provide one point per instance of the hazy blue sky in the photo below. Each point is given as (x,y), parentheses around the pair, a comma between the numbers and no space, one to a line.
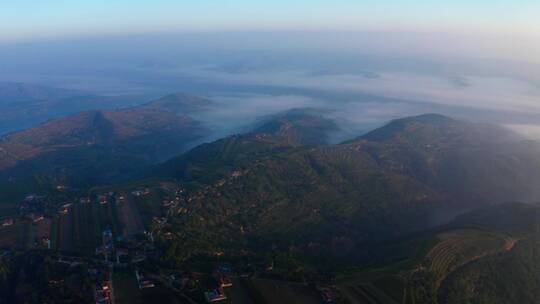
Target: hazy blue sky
(458,57)
(27,19)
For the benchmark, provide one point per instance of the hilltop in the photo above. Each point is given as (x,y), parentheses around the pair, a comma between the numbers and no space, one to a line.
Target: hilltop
(96,147)
(298,127)
(272,134)
(179,103)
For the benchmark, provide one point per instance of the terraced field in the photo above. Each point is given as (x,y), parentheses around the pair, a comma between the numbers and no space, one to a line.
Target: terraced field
(454,250)
(415,280)
(460,247)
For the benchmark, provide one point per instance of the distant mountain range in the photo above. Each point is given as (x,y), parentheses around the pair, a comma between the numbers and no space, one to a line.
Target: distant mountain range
(15,92)
(179,103)
(25,105)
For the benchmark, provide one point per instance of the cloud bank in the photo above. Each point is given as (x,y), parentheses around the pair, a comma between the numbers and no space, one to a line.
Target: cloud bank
(363,79)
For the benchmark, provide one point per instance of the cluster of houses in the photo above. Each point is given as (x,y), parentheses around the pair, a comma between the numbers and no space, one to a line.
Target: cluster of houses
(61,188)
(45,242)
(169,202)
(95,277)
(218,292)
(328,294)
(136,252)
(34,207)
(133,252)
(143,281)
(103,199)
(70,261)
(215,295)
(107,244)
(64,209)
(34,218)
(102,294)
(210,287)
(33,214)
(101,279)
(221,281)
(32,204)
(8,222)
(139,192)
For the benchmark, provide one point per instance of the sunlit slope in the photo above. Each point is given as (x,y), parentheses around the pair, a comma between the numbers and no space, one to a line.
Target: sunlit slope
(409,175)
(92,148)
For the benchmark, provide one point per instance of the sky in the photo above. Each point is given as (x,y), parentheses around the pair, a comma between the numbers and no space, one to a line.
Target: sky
(369,61)
(30,19)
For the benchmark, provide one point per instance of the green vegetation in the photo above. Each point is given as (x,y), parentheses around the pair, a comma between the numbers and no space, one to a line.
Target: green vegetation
(367,216)
(510,277)
(94,148)
(259,191)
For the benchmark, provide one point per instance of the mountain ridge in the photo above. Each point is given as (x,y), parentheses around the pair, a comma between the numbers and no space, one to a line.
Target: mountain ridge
(362,190)
(126,140)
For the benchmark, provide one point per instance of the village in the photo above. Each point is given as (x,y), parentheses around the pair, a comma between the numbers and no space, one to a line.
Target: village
(119,247)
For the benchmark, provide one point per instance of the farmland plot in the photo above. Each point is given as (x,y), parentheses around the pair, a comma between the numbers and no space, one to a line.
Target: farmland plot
(129,218)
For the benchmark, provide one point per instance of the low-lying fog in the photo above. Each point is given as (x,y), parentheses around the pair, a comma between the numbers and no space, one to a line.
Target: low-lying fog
(360,79)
